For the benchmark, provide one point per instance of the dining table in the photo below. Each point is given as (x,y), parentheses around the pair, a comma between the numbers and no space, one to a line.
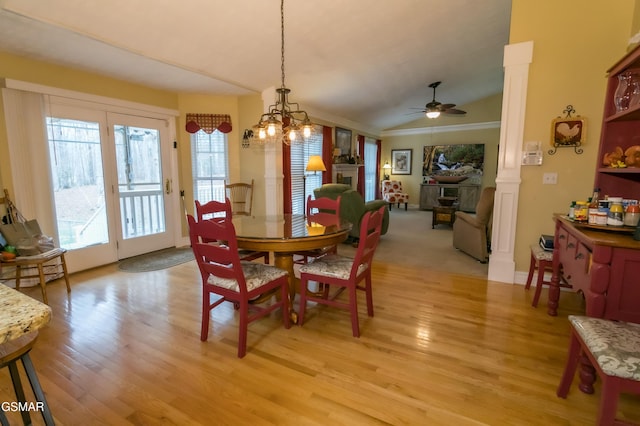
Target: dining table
(21,317)
(286,234)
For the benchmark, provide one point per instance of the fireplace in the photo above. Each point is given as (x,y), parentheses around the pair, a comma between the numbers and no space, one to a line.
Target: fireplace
(347,174)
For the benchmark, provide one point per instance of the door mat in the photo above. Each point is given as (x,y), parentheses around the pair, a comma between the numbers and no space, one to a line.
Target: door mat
(157,260)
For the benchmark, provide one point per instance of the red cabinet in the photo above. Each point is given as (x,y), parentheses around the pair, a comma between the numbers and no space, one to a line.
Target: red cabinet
(603,265)
(619,129)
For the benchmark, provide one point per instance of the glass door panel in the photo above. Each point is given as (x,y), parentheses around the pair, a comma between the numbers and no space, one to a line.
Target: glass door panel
(142,153)
(78,182)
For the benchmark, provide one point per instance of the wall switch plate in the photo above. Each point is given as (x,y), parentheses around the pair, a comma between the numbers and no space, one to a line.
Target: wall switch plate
(550,178)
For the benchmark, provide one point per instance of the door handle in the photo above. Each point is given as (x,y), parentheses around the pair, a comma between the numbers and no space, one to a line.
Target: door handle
(167,186)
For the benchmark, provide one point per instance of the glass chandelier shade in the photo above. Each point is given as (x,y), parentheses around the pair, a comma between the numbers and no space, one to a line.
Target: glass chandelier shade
(284,121)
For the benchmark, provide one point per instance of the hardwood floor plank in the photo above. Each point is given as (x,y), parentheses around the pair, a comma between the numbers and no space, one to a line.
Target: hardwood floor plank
(442,349)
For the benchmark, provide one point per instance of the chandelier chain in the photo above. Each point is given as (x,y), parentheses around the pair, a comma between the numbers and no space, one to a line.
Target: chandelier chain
(282,39)
(283,121)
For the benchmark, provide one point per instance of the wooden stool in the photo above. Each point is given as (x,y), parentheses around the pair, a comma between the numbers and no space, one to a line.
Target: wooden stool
(541,261)
(10,353)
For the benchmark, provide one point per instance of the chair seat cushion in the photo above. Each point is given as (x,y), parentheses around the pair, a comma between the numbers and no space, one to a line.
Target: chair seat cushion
(614,344)
(334,266)
(255,274)
(396,198)
(540,254)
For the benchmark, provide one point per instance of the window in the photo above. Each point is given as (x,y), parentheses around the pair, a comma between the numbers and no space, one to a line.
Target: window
(370,168)
(303,183)
(210,161)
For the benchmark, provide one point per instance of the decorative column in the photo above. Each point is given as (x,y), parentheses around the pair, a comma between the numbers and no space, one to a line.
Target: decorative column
(517,59)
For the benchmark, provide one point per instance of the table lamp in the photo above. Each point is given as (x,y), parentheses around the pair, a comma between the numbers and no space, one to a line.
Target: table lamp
(385,169)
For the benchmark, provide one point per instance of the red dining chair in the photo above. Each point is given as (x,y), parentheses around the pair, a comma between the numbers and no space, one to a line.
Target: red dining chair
(344,273)
(613,349)
(216,210)
(236,281)
(320,212)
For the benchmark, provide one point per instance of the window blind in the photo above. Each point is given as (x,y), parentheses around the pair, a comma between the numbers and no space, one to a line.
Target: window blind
(303,183)
(209,156)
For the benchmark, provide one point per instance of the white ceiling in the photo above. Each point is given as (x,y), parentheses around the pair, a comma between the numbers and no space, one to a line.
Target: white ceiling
(365,61)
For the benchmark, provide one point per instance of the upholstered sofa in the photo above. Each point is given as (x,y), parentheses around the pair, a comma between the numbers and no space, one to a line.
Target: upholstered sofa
(352,205)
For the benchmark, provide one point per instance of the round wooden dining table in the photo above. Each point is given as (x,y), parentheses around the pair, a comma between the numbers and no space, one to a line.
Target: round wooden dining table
(287,234)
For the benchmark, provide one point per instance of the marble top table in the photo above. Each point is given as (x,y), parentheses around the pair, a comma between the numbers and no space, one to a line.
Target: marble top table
(20,314)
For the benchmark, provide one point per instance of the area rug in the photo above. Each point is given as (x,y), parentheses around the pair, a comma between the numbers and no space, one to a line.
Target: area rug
(156,260)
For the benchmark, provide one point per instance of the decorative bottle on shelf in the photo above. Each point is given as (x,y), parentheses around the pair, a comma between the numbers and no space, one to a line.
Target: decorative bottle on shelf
(572,210)
(616,213)
(593,207)
(634,89)
(622,96)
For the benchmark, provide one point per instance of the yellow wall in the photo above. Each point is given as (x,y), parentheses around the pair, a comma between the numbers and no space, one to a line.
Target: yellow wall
(483,111)
(575,42)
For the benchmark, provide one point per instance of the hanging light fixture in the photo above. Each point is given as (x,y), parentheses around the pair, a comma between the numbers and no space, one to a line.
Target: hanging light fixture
(284,121)
(433,113)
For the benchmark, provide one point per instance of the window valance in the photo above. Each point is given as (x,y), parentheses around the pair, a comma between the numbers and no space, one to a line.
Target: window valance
(208,123)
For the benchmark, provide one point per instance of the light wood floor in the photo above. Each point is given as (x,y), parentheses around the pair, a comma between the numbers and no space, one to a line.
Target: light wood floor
(442,349)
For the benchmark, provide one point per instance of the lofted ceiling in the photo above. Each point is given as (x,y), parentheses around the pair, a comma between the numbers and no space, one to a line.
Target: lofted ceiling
(367,62)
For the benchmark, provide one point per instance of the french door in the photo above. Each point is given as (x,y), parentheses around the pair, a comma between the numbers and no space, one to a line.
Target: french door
(109,178)
(142,152)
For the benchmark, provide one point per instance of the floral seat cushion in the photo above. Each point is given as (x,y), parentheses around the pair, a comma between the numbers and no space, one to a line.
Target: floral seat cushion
(615,345)
(255,274)
(335,266)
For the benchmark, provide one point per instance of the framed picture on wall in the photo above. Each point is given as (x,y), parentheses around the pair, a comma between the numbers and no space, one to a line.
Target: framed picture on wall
(343,141)
(401,161)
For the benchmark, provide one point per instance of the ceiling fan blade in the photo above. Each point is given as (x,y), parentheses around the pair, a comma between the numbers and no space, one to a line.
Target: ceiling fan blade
(454,111)
(446,106)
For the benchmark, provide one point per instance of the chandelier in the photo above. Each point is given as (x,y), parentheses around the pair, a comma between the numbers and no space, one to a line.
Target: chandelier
(284,121)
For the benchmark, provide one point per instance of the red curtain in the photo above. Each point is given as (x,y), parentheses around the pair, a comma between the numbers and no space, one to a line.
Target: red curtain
(360,188)
(327,153)
(286,182)
(208,123)
(378,158)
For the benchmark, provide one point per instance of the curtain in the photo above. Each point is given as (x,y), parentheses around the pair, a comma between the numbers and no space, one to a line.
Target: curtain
(378,191)
(208,123)
(327,153)
(360,188)
(25,118)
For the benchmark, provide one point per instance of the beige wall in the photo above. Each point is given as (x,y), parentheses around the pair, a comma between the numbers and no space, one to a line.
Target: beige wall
(483,111)
(575,42)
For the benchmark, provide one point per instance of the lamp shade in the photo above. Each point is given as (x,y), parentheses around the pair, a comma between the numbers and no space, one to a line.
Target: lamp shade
(386,165)
(315,164)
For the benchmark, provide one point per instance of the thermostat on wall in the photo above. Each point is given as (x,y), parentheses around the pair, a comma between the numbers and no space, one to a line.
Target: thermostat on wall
(532,155)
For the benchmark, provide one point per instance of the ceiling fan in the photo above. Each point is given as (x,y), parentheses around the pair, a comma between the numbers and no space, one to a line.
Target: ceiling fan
(434,108)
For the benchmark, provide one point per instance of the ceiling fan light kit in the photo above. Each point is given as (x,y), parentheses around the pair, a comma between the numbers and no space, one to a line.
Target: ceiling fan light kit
(434,108)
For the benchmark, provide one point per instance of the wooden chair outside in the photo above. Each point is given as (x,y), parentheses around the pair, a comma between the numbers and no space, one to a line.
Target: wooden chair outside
(216,210)
(344,273)
(320,211)
(224,274)
(241,196)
